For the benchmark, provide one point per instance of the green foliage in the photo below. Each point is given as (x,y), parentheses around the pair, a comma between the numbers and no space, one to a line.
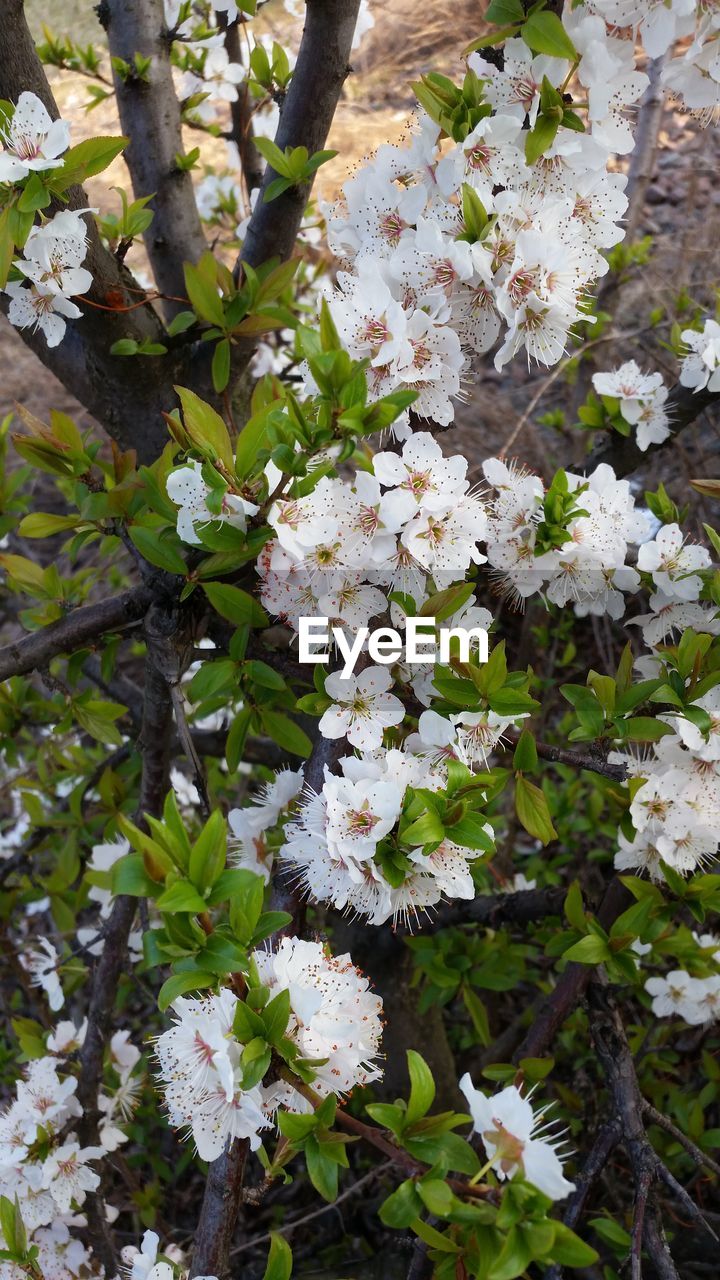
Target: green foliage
(295,166)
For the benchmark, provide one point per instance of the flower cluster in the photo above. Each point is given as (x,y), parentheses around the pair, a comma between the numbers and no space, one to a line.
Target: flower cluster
(342,849)
(701,366)
(676,811)
(145,1264)
(409,526)
(187,488)
(427,290)
(333,1016)
(41,1161)
(55,249)
(584,565)
(52,260)
(641,401)
(41,963)
(32,141)
(694,73)
(247,839)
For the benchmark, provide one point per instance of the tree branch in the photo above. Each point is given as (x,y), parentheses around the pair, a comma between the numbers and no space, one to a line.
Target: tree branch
(155,748)
(252,163)
(683,407)
(130,409)
(307,113)
(552,1011)
(150,116)
(617,1062)
(663,1122)
(592,759)
(72,632)
(605,1142)
(494,910)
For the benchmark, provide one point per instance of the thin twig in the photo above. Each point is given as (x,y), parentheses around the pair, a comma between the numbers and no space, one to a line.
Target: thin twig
(663,1122)
(302,1219)
(552,378)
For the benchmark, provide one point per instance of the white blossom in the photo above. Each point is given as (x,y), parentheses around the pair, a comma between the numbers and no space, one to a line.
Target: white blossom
(516,1139)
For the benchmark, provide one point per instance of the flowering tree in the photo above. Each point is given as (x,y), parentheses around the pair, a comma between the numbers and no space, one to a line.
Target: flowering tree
(206,834)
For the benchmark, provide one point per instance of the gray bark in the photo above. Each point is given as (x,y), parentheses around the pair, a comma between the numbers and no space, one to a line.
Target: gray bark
(150,116)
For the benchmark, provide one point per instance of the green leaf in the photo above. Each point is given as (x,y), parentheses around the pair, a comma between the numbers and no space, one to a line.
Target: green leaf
(644,729)
(285,732)
(271,152)
(205,427)
(449,1148)
(234,604)
(276,188)
(86,159)
(279,1263)
(470,833)
(422,1087)
(296,1127)
(157,548)
(180,323)
(42,525)
(246,901)
(434,1238)
(12,1225)
(541,137)
(402,1207)
(129,877)
(501,11)
(250,441)
(532,810)
(237,737)
(589,950)
(203,293)
(570,1251)
(525,757)
(436,1196)
(544,33)
(181,896)
(221,365)
(265,676)
(513,1258)
(428,829)
(179,983)
(96,717)
(34,195)
(322,1171)
(575,908)
(238,884)
(269,923)
(207,858)
(275,1017)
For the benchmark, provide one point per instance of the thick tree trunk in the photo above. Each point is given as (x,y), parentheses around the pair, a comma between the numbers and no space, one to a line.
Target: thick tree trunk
(150,116)
(126,398)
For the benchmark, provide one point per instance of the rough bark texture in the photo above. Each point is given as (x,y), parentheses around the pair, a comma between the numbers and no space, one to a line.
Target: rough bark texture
(154,744)
(252,163)
(572,984)
(683,406)
(150,116)
(320,72)
(73,631)
(219,1213)
(129,408)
